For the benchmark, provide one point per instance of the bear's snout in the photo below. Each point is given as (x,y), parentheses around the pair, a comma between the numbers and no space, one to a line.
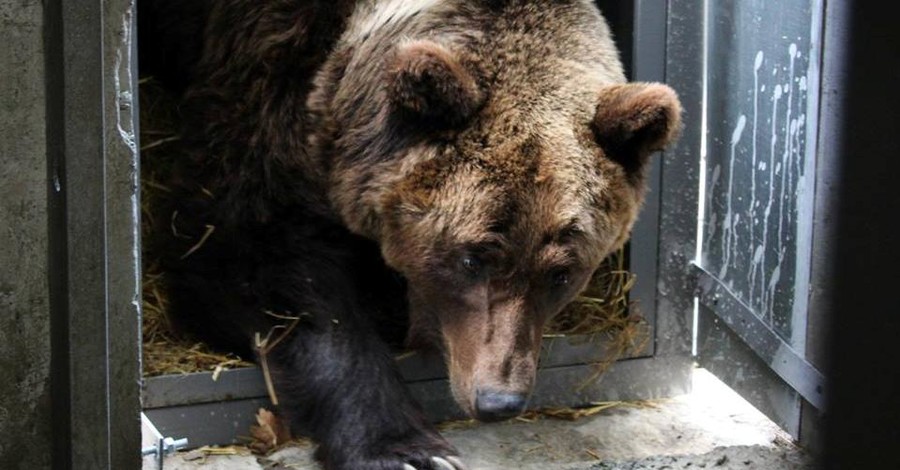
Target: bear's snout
(493,365)
(488,391)
(492,405)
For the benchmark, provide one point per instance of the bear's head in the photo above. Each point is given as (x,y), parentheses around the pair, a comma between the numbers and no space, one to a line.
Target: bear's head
(496,169)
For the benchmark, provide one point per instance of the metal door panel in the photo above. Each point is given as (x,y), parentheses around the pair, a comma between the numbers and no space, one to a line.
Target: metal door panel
(753,273)
(760,142)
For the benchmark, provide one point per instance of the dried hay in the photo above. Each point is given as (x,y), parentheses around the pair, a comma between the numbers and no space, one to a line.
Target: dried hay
(569,414)
(555,412)
(200,454)
(603,309)
(164,351)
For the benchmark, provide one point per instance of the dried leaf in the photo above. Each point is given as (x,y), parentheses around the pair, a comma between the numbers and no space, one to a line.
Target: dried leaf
(269,433)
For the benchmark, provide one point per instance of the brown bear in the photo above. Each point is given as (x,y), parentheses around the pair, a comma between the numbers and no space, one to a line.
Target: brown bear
(450,170)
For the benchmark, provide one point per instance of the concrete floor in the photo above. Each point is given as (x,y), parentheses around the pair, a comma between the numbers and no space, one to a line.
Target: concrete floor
(712,427)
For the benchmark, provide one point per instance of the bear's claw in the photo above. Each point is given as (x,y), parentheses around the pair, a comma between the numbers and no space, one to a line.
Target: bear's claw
(457,463)
(442,463)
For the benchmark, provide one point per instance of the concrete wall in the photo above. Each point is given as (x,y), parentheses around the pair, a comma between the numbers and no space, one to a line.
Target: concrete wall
(24,316)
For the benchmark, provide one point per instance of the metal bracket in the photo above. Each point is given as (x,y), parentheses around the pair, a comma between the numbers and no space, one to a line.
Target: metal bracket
(786,362)
(154,444)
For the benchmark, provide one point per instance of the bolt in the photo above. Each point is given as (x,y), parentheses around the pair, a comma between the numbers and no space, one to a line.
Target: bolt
(169,446)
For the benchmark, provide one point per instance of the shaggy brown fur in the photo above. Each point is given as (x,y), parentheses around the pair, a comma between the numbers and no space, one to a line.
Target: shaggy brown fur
(486,151)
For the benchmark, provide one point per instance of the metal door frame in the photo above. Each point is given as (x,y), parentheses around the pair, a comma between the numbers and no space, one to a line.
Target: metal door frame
(664,237)
(94,245)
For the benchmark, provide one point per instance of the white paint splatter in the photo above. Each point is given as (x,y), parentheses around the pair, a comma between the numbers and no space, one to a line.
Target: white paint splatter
(714,182)
(757,63)
(728,238)
(768,211)
(773,284)
(788,149)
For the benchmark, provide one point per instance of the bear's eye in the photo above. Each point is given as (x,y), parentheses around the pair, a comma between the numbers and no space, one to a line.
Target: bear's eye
(472,265)
(560,277)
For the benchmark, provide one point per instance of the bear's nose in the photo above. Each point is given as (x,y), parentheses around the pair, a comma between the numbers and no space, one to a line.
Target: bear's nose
(492,405)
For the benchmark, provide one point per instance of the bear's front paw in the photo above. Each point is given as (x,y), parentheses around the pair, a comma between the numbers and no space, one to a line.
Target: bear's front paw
(407,462)
(423,452)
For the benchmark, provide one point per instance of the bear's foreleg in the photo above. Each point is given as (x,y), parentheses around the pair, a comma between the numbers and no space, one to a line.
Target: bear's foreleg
(333,372)
(337,379)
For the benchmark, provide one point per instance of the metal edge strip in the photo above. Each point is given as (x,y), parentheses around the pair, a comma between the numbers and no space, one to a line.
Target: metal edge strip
(786,362)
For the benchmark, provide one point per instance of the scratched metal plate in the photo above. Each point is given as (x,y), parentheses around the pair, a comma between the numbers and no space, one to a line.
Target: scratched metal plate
(762,96)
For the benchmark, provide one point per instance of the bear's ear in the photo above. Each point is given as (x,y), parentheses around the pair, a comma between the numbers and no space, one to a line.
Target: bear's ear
(425,80)
(634,120)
